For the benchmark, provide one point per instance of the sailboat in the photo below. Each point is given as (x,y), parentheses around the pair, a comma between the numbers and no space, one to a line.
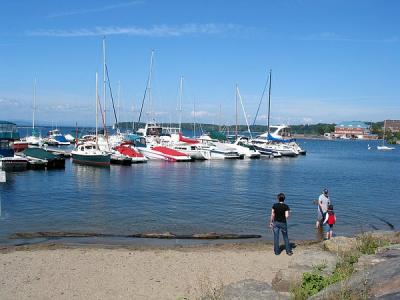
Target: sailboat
(244,149)
(35,138)
(152,144)
(384,147)
(88,152)
(271,144)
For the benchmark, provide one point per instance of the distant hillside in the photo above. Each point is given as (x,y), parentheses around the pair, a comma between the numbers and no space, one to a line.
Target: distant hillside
(315,129)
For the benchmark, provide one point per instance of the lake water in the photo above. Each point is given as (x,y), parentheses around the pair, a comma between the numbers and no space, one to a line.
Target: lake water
(208,196)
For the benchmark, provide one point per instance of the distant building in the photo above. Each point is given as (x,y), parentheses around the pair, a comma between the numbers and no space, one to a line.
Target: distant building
(354,130)
(392,125)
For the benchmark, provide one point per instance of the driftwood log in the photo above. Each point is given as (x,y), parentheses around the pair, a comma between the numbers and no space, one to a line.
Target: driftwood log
(164,235)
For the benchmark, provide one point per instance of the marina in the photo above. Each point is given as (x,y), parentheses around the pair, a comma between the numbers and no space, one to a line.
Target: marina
(223,196)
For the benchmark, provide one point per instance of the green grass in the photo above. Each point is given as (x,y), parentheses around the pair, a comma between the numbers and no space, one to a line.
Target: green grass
(314,281)
(369,244)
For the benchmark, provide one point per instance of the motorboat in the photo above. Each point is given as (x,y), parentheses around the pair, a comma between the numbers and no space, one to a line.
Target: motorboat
(14,163)
(219,150)
(8,161)
(20,145)
(33,140)
(161,152)
(55,138)
(50,160)
(152,144)
(278,141)
(128,149)
(243,147)
(69,137)
(190,147)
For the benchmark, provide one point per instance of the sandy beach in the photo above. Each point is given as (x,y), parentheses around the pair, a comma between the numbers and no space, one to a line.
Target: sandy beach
(88,272)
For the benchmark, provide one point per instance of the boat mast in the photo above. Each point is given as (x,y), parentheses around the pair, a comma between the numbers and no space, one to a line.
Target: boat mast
(194,117)
(118,103)
(104,84)
(148,86)
(180,104)
(97,109)
(269,101)
(384,131)
(220,118)
(34,104)
(236,110)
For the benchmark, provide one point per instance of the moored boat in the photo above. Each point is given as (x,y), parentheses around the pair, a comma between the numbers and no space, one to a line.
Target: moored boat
(243,147)
(219,150)
(87,153)
(55,138)
(150,145)
(128,149)
(52,161)
(8,161)
(13,164)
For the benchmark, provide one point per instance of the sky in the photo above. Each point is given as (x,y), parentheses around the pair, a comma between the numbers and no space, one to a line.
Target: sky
(331,61)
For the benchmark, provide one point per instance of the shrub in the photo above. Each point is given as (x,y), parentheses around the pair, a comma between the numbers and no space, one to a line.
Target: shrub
(369,244)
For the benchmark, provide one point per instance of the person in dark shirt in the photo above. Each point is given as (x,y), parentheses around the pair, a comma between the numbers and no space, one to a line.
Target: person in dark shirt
(279,215)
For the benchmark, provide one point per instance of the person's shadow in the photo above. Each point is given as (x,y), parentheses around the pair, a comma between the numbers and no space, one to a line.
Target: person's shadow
(282,247)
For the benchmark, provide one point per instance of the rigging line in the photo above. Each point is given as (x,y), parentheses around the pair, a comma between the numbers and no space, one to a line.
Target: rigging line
(244,113)
(147,87)
(259,104)
(103,118)
(112,98)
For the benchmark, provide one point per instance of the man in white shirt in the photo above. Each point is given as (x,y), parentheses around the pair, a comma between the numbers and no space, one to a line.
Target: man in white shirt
(323,203)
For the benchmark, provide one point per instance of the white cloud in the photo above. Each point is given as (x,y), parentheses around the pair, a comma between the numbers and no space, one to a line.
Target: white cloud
(307,120)
(9,103)
(65,107)
(201,113)
(332,36)
(154,31)
(94,10)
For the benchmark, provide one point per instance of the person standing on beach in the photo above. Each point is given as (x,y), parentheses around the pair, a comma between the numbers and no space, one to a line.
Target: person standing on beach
(279,215)
(323,203)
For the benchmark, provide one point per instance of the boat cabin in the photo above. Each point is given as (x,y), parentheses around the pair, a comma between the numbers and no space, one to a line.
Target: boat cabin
(8,134)
(278,132)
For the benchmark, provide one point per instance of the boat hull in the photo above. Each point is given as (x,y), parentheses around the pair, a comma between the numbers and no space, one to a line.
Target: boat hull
(151,153)
(12,164)
(91,160)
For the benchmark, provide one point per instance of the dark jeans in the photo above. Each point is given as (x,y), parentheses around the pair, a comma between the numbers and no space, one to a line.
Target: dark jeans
(280,226)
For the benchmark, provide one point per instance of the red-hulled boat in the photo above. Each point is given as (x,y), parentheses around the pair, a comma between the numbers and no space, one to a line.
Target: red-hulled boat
(128,149)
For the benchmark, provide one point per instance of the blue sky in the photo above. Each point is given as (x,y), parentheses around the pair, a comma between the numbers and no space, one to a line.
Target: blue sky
(331,60)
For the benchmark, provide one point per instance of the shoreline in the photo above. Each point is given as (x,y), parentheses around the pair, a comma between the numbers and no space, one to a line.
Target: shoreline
(249,245)
(97,271)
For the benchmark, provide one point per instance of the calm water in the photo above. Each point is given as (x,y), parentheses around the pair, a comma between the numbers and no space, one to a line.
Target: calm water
(219,196)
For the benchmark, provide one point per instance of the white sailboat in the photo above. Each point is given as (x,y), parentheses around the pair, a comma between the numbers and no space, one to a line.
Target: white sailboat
(383,147)
(34,139)
(244,149)
(153,144)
